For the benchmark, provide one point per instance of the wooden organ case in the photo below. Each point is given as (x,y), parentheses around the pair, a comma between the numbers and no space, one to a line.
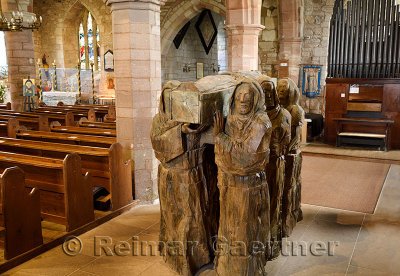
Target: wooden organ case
(363,84)
(370,106)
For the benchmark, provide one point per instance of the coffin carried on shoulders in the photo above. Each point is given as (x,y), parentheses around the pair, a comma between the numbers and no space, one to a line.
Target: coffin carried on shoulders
(196,102)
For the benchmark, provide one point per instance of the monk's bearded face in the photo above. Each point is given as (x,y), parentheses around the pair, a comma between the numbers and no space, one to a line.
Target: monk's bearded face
(269,95)
(283,92)
(244,99)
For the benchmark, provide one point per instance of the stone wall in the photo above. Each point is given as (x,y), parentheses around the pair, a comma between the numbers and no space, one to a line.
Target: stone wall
(317,15)
(191,51)
(268,41)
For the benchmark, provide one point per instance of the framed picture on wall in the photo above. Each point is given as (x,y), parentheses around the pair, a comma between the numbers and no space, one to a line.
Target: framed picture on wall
(311,80)
(109,61)
(199,70)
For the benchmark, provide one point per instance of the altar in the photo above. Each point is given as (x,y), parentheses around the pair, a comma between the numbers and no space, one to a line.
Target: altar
(51,98)
(66,85)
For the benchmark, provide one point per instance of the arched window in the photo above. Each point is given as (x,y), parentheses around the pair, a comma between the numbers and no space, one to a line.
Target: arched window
(3,57)
(89,42)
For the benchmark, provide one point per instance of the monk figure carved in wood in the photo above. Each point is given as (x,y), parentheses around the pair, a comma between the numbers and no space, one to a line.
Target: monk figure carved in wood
(289,95)
(275,169)
(184,241)
(241,154)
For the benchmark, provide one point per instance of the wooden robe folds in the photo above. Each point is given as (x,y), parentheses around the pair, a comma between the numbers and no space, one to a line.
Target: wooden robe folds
(184,237)
(289,95)
(241,154)
(275,169)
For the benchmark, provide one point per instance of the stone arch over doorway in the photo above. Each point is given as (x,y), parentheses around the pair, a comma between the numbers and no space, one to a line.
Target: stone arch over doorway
(174,18)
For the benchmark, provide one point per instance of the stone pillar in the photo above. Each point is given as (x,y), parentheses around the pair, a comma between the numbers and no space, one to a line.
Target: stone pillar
(291,35)
(243,27)
(137,62)
(21,63)
(20,55)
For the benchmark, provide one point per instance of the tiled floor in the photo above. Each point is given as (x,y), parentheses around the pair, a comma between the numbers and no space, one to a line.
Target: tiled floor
(365,244)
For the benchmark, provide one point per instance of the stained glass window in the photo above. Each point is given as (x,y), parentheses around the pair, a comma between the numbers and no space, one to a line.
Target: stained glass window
(82,46)
(91,35)
(90,38)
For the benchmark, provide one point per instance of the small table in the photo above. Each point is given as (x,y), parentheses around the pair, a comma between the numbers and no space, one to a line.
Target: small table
(363,138)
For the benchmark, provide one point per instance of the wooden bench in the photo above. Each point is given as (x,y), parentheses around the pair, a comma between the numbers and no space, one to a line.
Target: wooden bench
(374,132)
(85,130)
(20,214)
(106,166)
(66,138)
(66,196)
(98,111)
(89,115)
(9,128)
(6,106)
(45,119)
(97,124)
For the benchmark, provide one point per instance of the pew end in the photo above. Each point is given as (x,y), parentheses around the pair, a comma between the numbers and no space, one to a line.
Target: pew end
(8,106)
(91,115)
(44,123)
(21,214)
(121,178)
(12,128)
(69,119)
(78,193)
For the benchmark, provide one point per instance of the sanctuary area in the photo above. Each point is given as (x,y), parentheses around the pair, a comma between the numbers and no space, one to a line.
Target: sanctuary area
(199,137)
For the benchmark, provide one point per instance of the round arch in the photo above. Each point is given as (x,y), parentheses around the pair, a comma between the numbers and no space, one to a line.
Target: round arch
(180,14)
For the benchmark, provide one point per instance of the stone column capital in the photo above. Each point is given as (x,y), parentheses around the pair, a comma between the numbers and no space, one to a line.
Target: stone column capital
(244,28)
(156,2)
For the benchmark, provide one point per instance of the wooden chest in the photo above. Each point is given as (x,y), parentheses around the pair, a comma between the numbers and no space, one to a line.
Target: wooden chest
(196,102)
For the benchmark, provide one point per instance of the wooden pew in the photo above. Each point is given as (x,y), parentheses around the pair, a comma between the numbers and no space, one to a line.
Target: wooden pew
(85,130)
(20,214)
(97,124)
(6,106)
(106,166)
(66,196)
(40,123)
(9,128)
(98,111)
(23,117)
(90,114)
(66,138)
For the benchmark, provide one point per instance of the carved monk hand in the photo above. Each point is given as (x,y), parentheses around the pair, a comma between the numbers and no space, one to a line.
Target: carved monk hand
(218,123)
(188,129)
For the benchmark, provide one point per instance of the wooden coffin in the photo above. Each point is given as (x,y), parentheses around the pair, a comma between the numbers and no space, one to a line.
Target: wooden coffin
(196,102)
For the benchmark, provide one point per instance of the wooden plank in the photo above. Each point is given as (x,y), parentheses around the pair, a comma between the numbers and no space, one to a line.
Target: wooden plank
(85,130)
(352,106)
(360,134)
(21,213)
(97,124)
(37,161)
(59,137)
(48,146)
(359,120)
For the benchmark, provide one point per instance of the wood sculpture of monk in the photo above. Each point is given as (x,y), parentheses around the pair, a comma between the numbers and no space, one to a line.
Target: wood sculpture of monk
(275,169)
(181,188)
(241,154)
(289,95)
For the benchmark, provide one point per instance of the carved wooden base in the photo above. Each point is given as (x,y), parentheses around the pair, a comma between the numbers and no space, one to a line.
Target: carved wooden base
(291,204)
(244,225)
(275,174)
